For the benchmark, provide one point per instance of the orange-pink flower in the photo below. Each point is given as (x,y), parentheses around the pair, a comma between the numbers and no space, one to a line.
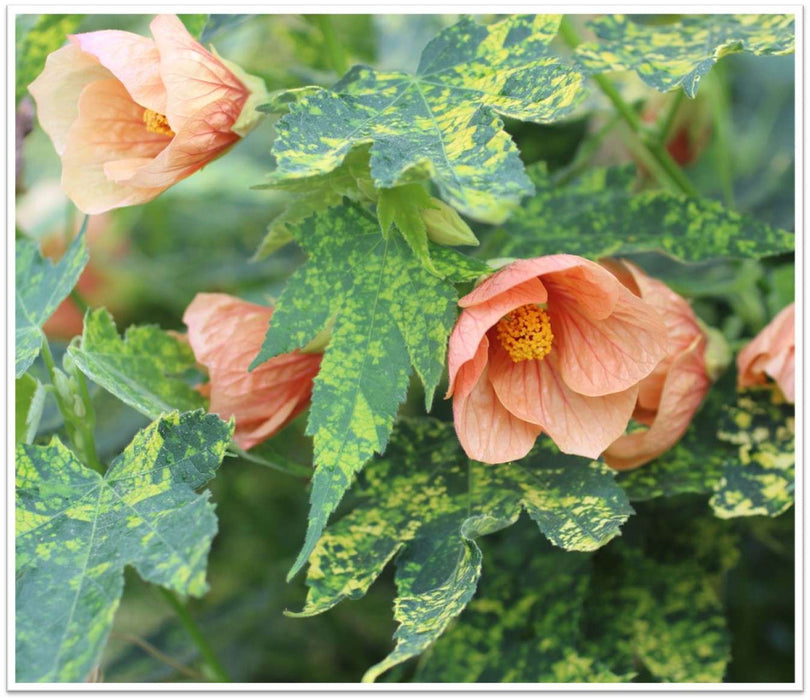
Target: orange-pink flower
(771,355)
(131,116)
(225,334)
(670,395)
(553,344)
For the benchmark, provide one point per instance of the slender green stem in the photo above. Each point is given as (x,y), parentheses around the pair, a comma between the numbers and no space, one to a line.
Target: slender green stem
(721,122)
(665,125)
(216,669)
(334,49)
(668,173)
(275,461)
(79,300)
(585,153)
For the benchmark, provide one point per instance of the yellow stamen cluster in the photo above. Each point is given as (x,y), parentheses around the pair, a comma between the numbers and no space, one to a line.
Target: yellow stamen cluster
(525,333)
(157,123)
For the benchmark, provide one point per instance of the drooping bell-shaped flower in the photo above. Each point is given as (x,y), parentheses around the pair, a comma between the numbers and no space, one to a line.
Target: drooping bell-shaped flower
(131,116)
(669,397)
(226,334)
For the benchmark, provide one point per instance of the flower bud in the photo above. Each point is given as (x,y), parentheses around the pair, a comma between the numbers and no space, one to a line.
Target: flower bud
(718,353)
(445,226)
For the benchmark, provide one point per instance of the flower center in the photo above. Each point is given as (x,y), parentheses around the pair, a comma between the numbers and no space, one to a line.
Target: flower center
(157,123)
(525,333)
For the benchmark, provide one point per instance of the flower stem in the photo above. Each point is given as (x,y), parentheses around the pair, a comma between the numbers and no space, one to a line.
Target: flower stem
(214,668)
(665,125)
(665,170)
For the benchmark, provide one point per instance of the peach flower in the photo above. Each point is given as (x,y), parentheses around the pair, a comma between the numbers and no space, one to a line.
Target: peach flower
(225,334)
(131,116)
(672,393)
(553,344)
(771,354)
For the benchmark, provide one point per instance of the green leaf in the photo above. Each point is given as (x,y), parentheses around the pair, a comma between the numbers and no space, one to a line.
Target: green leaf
(194,24)
(402,206)
(388,313)
(668,617)
(426,502)
(351,179)
(680,54)
(29,400)
(599,215)
(441,122)
(76,530)
(758,478)
(524,626)
(41,287)
(47,35)
(142,368)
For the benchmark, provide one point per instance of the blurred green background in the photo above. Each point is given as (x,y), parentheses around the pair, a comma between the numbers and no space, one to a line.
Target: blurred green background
(151,260)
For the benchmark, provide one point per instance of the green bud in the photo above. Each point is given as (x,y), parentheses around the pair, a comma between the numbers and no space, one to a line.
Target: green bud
(68,364)
(249,117)
(718,353)
(62,384)
(79,409)
(445,226)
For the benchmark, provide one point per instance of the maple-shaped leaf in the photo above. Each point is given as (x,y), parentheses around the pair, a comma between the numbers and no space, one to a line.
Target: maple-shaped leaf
(441,122)
(425,502)
(40,287)
(386,313)
(524,624)
(679,54)
(758,475)
(666,617)
(142,369)
(599,215)
(77,530)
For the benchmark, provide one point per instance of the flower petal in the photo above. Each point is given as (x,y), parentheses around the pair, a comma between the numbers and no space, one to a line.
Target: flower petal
(56,90)
(684,389)
(202,138)
(109,128)
(486,430)
(769,354)
(475,321)
(193,77)
(535,392)
(226,333)
(131,58)
(606,356)
(520,271)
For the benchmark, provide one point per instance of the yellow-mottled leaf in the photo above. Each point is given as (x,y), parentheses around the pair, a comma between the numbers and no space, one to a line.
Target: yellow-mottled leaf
(76,530)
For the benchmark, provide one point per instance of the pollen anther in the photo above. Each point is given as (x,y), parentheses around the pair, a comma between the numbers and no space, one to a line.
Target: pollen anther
(157,123)
(525,333)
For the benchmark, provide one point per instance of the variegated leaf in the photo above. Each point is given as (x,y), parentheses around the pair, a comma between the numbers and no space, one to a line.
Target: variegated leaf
(667,56)
(667,617)
(600,215)
(40,287)
(758,479)
(142,369)
(442,122)
(426,503)
(76,530)
(386,313)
